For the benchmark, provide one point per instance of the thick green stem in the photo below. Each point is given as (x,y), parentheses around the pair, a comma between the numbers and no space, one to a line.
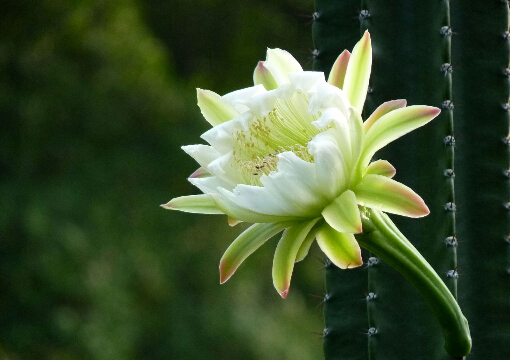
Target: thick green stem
(381,237)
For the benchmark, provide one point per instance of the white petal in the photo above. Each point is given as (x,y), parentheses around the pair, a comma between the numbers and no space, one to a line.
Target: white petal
(223,168)
(261,104)
(238,98)
(221,136)
(203,154)
(331,169)
(328,96)
(210,185)
(242,214)
(280,63)
(292,191)
(306,80)
(341,128)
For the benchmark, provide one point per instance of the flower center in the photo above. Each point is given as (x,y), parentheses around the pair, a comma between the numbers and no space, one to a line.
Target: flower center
(286,128)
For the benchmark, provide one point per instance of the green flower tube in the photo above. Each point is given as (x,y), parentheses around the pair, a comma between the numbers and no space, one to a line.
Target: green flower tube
(382,237)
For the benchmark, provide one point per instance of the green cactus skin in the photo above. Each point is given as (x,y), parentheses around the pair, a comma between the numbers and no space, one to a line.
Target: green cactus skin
(409,62)
(335,28)
(481,90)
(410,54)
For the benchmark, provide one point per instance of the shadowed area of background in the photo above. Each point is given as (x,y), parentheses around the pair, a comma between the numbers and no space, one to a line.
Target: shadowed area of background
(96,98)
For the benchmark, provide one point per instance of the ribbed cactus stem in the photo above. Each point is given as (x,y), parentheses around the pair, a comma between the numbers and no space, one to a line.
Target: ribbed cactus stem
(336,28)
(481,92)
(411,47)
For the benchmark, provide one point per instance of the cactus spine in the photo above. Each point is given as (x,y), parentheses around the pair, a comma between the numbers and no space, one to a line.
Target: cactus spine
(412,59)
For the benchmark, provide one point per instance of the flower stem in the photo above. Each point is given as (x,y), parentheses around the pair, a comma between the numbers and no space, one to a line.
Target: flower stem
(381,237)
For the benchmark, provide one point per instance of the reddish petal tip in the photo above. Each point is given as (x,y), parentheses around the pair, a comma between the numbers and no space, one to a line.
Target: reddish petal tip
(224,276)
(284,293)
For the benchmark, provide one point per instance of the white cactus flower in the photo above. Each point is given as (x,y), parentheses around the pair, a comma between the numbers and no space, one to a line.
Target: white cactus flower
(292,154)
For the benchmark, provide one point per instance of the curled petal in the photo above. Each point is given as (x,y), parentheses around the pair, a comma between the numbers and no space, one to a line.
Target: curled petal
(382,193)
(337,75)
(341,248)
(358,72)
(245,244)
(395,124)
(343,214)
(383,109)
(214,108)
(263,76)
(285,255)
(198,204)
(381,167)
(280,63)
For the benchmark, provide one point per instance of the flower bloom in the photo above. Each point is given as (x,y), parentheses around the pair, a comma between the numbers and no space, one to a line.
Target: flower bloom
(292,154)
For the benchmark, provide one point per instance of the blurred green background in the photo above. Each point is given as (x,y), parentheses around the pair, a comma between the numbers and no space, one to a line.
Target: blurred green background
(96,98)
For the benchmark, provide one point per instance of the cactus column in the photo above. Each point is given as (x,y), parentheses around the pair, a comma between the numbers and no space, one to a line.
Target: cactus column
(335,28)
(411,49)
(481,90)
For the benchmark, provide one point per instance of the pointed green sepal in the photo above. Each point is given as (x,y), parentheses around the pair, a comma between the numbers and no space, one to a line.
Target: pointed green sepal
(358,72)
(383,109)
(343,213)
(394,125)
(382,193)
(381,167)
(341,248)
(285,255)
(307,243)
(214,108)
(263,76)
(337,74)
(197,204)
(245,245)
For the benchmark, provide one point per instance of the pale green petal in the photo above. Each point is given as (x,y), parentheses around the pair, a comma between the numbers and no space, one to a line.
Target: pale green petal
(358,72)
(357,134)
(343,214)
(337,75)
(341,248)
(285,255)
(395,124)
(263,76)
(214,108)
(381,167)
(382,193)
(198,204)
(307,243)
(279,62)
(245,244)
(383,110)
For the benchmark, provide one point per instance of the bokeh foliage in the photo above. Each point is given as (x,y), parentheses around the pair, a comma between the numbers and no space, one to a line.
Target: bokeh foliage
(96,98)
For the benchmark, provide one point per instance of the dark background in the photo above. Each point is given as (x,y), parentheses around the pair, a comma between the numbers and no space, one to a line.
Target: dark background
(96,98)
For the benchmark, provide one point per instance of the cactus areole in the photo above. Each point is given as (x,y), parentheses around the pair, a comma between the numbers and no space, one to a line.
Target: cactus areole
(292,154)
